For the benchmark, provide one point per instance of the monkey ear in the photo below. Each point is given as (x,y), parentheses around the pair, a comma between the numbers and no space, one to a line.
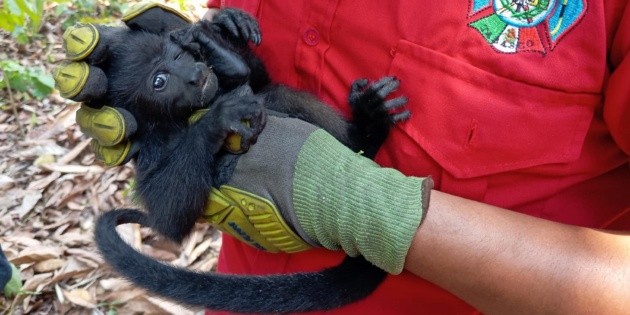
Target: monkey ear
(155,17)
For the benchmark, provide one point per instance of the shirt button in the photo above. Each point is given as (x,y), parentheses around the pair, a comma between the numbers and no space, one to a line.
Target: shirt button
(311,37)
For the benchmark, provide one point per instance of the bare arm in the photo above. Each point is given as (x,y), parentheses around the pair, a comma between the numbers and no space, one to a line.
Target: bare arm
(503,262)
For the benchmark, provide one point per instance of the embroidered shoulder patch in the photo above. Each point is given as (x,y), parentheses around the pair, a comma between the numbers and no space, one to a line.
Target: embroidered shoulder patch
(512,26)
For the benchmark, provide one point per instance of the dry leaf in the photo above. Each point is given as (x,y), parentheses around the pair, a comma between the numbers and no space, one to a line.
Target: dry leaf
(30,200)
(206,265)
(191,242)
(73,268)
(91,255)
(128,233)
(63,120)
(39,148)
(80,297)
(74,152)
(59,293)
(74,238)
(20,240)
(123,296)
(49,265)
(202,248)
(35,281)
(81,169)
(6,182)
(44,182)
(170,307)
(158,254)
(153,306)
(115,284)
(44,159)
(35,254)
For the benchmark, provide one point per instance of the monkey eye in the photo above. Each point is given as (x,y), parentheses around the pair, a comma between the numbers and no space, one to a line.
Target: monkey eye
(159,81)
(178,56)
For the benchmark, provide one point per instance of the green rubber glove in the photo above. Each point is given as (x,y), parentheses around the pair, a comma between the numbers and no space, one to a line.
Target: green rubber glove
(331,196)
(82,79)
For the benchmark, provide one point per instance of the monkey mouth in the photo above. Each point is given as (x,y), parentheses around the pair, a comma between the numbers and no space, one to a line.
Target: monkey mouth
(209,89)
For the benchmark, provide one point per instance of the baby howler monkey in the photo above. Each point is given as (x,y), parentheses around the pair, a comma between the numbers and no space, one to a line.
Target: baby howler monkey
(161,78)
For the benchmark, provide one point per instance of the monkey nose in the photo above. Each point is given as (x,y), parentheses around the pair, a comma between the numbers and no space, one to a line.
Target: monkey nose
(199,74)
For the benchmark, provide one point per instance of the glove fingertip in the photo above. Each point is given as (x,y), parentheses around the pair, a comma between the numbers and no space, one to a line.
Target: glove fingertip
(80,40)
(131,125)
(95,86)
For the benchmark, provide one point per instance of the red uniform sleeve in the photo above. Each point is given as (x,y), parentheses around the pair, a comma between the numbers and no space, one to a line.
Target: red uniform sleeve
(617,92)
(214,4)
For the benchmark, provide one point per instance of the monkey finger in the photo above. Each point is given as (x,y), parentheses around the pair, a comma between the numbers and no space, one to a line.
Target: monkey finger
(229,25)
(381,82)
(247,137)
(243,29)
(240,24)
(358,85)
(395,103)
(257,122)
(357,90)
(398,117)
(249,28)
(386,86)
(254,33)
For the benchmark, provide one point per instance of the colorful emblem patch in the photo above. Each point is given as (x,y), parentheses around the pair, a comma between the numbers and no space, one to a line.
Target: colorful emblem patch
(512,26)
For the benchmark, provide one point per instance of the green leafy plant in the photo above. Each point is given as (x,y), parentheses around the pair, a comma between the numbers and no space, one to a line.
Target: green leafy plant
(32,80)
(21,18)
(89,11)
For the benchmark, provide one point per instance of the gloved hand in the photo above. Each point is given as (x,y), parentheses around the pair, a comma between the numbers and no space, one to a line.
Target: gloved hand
(299,187)
(82,79)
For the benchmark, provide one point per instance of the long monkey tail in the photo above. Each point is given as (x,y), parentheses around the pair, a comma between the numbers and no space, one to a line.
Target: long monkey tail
(352,280)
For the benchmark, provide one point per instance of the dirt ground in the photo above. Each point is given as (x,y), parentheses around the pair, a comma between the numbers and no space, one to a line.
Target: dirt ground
(51,191)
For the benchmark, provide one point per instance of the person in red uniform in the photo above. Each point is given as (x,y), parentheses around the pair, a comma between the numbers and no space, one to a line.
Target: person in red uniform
(514,106)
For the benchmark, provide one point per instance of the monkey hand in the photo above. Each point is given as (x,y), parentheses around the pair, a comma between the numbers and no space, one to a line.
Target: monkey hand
(298,187)
(207,39)
(200,39)
(238,24)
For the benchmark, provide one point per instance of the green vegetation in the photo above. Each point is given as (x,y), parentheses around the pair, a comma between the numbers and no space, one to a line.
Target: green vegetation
(26,21)
(21,18)
(32,80)
(89,11)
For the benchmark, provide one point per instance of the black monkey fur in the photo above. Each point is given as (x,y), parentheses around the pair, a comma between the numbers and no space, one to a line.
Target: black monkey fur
(177,164)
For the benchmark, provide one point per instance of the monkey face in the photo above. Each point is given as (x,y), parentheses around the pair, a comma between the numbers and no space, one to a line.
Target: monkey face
(178,79)
(155,78)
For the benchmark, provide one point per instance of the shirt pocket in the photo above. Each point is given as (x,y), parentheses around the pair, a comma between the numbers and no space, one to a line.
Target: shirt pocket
(475,123)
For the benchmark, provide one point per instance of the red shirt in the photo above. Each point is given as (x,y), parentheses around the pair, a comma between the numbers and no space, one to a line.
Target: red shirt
(530,112)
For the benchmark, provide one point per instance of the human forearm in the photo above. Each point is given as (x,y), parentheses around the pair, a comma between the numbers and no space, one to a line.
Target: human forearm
(501,261)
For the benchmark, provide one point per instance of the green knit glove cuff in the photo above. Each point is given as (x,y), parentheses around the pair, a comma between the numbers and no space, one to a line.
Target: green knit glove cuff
(344,200)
